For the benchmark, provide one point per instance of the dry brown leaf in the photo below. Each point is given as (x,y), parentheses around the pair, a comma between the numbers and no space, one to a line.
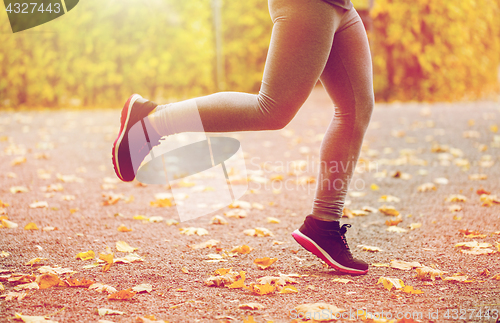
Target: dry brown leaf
(251,306)
(388,210)
(244,249)
(122,295)
(79,283)
(123,228)
(369,248)
(47,280)
(265,262)
(429,273)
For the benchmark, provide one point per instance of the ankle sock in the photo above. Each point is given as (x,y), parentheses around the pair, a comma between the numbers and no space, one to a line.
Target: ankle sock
(177,117)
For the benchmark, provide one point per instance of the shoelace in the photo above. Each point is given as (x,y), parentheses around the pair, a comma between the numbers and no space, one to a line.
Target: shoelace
(342,232)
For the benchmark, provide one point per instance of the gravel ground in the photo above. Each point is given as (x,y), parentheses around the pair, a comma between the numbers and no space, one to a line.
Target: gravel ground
(419,141)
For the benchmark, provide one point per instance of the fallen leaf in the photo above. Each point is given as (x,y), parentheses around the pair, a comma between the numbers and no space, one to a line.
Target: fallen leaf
(414,226)
(409,290)
(34,261)
(265,262)
(18,161)
(395,221)
(262,289)
(405,265)
(429,273)
(456,198)
(388,210)
(143,288)
(106,311)
(426,187)
(390,282)
(98,287)
(191,230)
(218,220)
(342,280)
(288,290)
(14,295)
(396,229)
(244,249)
(251,306)
(79,283)
(123,228)
(30,226)
(32,285)
(239,283)
(207,244)
(389,198)
(122,295)
(47,280)
(455,208)
(131,257)
(33,319)
(122,246)
(19,189)
(40,204)
(9,224)
(258,232)
(108,258)
(85,255)
(272,220)
(236,213)
(369,248)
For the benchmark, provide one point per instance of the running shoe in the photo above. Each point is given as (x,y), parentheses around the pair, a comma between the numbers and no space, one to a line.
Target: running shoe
(136,137)
(330,245)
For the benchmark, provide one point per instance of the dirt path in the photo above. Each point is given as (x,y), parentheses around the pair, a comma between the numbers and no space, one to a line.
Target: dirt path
(424,142)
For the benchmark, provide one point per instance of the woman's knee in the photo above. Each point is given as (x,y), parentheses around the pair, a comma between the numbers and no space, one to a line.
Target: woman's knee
(276,114)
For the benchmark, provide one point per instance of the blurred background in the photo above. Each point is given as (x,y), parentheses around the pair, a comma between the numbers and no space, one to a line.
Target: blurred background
(166,50)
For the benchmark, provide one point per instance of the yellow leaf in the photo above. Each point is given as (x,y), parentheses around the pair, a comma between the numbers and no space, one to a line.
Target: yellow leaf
(47,281)
(222,271)
(456,198)
(272,220)
(18,161)
(124,247)
(33,319)
(140,217)
(390,282)
(374,187)
(18,189)
(242,249)
(288,289)
(404,265)
(239,283)
(265,262)
(191,230)
(409,290)
(85,255)
(249,320)
(369,248)
(31,226)
(262,289)
(218,220)
(388,210)
(34,261)
(123,228)
(428,273)
(161,203)
(108,258)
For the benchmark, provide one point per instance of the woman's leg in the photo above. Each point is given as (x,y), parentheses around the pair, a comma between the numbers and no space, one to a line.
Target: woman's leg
(347,78)
(301,40)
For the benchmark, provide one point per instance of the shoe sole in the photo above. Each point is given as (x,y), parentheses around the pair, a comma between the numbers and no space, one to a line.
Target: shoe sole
(312,247)
(124,119)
